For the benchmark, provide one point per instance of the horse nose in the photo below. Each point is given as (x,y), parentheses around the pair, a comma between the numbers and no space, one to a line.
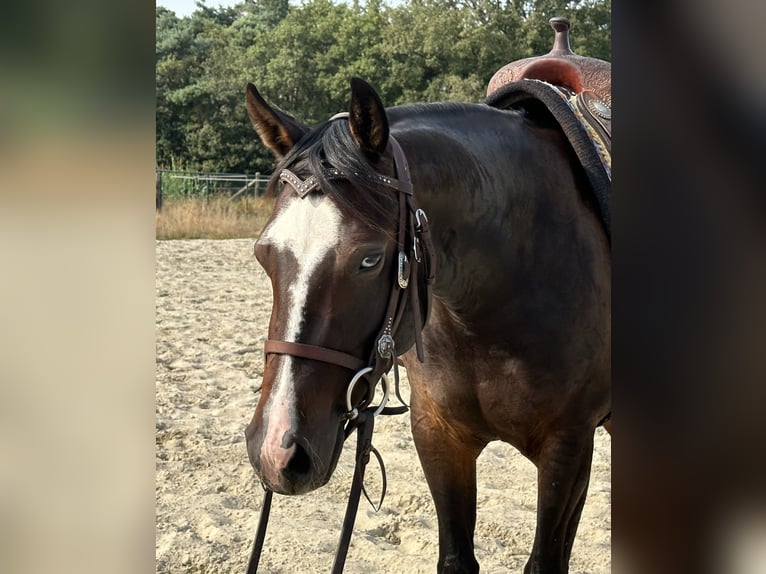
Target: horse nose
(286,463)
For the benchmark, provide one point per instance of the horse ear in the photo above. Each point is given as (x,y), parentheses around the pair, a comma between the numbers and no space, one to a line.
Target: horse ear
(278,130)
(367,119)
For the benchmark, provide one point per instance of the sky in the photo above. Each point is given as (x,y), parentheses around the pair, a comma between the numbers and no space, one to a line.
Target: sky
(186,7)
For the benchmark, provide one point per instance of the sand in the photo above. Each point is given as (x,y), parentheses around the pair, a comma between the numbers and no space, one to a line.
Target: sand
(213,306)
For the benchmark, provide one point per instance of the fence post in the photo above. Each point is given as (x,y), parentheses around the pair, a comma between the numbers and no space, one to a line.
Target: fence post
(256,187)
(158,191)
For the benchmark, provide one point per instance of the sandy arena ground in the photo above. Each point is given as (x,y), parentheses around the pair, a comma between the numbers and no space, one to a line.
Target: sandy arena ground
(213,306)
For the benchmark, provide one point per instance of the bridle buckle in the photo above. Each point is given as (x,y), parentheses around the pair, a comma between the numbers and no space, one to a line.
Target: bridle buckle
(419,213)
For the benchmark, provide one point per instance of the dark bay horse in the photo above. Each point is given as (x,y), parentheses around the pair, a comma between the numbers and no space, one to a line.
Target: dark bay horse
(517,345)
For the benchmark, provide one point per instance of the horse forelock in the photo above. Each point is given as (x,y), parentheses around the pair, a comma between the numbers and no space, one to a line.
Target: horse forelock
(359,194)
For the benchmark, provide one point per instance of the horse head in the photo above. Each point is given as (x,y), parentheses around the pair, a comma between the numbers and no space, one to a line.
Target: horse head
(330,251)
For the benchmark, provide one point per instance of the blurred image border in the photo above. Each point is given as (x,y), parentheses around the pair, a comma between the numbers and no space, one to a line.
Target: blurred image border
(77,289)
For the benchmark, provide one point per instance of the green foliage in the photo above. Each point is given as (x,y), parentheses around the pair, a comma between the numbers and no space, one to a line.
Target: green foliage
(301,57)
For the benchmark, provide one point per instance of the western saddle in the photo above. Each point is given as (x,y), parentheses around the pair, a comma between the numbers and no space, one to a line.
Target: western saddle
(586,82)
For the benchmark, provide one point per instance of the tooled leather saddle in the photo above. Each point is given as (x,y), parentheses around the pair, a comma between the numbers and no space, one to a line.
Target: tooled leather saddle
(577,92)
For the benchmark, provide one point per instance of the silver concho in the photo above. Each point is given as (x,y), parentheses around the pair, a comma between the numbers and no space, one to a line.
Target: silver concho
(600,109)
(385,346)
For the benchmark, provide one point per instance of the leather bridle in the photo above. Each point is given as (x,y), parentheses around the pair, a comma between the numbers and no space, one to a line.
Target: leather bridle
(414,272)
(412,226)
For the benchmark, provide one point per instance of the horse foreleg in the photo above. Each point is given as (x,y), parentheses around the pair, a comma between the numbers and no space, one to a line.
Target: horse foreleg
(574,521)
(563,472)
(449,465)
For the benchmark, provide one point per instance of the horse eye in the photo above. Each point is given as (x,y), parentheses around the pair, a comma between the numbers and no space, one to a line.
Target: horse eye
(370,261)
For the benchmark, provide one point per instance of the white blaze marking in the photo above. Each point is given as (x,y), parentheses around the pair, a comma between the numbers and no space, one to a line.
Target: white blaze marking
(309,229)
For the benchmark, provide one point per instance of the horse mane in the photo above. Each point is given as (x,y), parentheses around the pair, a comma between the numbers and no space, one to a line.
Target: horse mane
(360,195)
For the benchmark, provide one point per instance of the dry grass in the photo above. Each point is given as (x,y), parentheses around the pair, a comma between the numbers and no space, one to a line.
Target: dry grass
(215,218)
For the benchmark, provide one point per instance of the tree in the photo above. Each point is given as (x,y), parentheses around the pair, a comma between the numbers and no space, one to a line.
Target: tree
(301,58)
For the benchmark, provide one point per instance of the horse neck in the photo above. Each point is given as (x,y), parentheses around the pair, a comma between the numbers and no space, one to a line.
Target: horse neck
(483,194)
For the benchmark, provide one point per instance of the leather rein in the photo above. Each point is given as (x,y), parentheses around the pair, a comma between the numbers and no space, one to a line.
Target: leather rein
(414,252)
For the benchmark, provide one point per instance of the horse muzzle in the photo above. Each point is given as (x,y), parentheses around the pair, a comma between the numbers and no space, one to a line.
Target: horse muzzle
(287,462)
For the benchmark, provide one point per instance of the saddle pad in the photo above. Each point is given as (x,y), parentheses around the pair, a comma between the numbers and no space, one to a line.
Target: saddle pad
(585,121)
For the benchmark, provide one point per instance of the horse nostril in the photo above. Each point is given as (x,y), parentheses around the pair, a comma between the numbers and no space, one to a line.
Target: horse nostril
(300,463)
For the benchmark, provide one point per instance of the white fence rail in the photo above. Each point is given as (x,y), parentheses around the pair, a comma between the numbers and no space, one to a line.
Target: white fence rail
(204,184)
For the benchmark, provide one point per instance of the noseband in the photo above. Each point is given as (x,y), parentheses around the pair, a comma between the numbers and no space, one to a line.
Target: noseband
(414,249)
